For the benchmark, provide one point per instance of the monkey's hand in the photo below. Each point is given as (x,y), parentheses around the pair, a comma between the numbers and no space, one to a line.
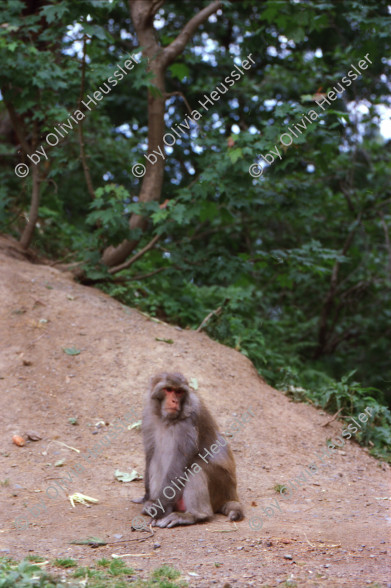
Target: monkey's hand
(156,510)
(148,508)
(140,500)
(174,519)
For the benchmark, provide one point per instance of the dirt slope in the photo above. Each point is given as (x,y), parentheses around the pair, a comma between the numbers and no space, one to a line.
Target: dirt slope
(334,530)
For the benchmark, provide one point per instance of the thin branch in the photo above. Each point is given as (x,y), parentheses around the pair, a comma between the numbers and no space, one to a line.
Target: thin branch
(178,45)
(386,239)
(51,181)
(156,5)
(60,261)
(216,312)
(333,418)
(333,342)
(356,288)
(324,329)
(148,11)
(208,232)
(380,204)
(348,242)
(345,192)
(168,95)
(18,125)
(118,268)
(123,279)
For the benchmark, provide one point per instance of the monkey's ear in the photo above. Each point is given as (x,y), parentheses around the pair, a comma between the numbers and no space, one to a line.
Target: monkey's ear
(157,384)
(160,377)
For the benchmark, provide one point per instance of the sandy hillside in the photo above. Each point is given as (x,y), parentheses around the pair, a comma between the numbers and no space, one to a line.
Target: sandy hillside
(333,529)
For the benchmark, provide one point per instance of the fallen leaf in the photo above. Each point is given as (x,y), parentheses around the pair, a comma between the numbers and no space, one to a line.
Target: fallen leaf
(126,476)
(93,541)
(135,425)
(194,383)
(82,498)
(170,341)
(71,350)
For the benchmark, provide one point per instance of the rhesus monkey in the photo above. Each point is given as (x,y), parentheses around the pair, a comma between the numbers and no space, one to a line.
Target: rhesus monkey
(181,487)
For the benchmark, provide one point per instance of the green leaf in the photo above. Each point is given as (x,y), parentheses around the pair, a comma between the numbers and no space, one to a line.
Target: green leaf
(96,31)
(54,13)
(235,154)
(71,350)
(179,71)
(93,541)
(194,383)
(209,211)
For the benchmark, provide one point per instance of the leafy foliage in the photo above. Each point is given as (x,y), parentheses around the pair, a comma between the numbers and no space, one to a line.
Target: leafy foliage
(293,267)
(115,574)
(24,575)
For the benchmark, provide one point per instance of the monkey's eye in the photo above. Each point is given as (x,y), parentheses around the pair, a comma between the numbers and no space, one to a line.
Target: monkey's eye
(171,390)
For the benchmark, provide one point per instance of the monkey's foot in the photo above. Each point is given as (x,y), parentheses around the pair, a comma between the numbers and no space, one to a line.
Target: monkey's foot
(148,504)
(233,510)
(174,519)
(139,500)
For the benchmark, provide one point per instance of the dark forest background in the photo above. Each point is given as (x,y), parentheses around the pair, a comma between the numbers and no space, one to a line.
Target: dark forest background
(292,268)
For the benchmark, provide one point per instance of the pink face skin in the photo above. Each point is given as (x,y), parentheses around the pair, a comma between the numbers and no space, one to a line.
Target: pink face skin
(172,401)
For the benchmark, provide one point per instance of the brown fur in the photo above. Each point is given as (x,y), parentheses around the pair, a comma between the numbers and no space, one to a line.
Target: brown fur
(172,443)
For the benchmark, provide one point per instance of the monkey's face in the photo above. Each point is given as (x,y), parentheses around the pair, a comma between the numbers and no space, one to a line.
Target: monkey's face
(172,401)
(170,391)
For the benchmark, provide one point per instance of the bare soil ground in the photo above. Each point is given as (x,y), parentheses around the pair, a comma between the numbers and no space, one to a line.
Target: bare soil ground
(334,530)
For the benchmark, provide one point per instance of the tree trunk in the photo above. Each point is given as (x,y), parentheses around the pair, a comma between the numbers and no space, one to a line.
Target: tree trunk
(28,232)
(142,14)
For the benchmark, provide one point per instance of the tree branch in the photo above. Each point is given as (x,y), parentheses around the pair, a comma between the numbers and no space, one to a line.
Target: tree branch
(386,239)
(122,279)
(184,99)
(333,418)
(133,259)
(177,46)
(215,312)
(18,125)
(324,329)
(333,342)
